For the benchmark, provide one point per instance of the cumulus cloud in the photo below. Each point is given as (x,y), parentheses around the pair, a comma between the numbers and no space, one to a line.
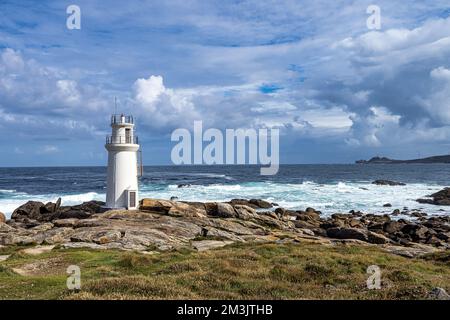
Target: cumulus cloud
(42,99)
(438,101)
(311,69)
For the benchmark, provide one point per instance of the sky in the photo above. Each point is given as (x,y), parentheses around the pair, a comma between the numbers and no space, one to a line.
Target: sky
(337,90)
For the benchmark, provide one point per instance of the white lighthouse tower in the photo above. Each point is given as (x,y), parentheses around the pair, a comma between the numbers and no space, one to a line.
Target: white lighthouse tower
(122,146)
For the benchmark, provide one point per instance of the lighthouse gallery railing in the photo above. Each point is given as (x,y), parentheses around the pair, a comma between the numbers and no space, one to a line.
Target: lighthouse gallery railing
(122,140)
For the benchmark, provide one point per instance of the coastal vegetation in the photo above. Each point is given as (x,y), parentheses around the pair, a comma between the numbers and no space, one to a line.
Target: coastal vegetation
(236,271)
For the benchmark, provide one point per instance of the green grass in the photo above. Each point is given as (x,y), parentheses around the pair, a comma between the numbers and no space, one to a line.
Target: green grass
(240,271)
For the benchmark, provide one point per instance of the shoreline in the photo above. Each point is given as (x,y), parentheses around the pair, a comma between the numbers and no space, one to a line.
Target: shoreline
(30,222)
(339,197)
(166,242)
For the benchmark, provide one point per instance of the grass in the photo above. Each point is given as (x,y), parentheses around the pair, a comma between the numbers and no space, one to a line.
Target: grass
(239,271)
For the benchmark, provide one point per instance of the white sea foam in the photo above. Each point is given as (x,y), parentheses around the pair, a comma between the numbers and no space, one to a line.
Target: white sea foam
(7,191)
(329,198)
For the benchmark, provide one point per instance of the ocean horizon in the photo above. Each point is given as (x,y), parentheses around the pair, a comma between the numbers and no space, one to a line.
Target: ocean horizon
(330,188)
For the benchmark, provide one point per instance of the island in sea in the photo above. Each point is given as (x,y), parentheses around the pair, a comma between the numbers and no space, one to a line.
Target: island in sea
(385,160)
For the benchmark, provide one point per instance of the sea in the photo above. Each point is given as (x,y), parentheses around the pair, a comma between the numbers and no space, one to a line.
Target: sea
(328,188)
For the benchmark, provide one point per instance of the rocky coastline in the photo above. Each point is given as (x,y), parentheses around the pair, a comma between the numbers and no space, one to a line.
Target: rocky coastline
(169,224)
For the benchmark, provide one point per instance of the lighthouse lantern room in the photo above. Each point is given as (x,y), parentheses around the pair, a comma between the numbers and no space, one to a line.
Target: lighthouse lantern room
(122,180)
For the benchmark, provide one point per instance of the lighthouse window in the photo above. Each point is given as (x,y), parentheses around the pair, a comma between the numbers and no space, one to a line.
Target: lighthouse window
(128,135)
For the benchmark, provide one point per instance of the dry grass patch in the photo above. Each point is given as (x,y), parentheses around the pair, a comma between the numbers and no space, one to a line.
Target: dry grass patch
(240,271)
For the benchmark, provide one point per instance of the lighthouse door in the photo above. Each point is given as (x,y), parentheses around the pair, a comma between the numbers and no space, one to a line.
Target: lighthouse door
(131,199)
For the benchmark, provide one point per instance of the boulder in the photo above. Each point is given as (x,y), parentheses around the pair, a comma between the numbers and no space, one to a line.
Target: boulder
(244,212)
(438,294)
(2,217)
(347,233)
(392,226)
(308,215)
(388,183)
(415,231)
(377,238)
(444,236)
(261,203)
(89,207)
(225,210)
(387,205)
(441,198)
(31,210)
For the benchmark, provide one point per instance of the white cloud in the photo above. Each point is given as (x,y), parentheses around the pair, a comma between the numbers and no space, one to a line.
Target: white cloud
(48,149)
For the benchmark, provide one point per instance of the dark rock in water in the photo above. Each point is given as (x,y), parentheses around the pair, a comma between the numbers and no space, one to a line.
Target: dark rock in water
(31,210)
(347,233)
(309,209)
(261,203)
(374,218)
(396,212)
(173,198)
(356,213)
(418,214)
(388,183)
(275,204)
(387,205)
(440,198)
(183,185)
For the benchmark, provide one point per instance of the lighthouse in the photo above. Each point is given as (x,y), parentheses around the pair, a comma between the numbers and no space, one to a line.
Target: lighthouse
(122,180)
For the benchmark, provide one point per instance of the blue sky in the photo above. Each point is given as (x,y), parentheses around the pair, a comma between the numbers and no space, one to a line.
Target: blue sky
(337,91)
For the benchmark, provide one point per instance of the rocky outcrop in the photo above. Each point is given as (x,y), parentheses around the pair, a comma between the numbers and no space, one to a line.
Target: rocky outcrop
(2,217)
(160,224)
(388,183)
(166,224)
(440,198)
(38,211)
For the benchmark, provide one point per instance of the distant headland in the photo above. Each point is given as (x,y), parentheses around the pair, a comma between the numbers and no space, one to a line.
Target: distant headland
(383,160)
